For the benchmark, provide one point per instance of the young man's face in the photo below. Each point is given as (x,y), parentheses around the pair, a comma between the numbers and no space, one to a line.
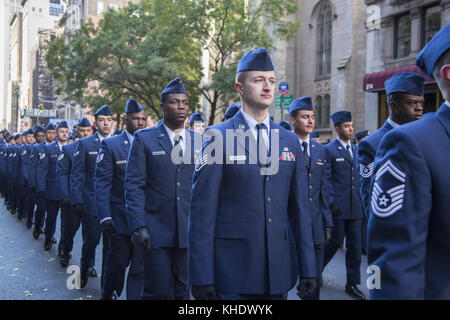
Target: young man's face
(12,141)
(303,123)
(104,124)
(345,130)
(63,134)
(257,88)
(50,135)
(198,126)
(84,132)
(40,136)
(30,139)
(136,121)
(176,108)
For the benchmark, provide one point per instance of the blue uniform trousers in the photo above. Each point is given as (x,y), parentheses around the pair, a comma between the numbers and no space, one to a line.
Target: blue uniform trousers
(351,229)
(50,221)
(166,274)
(121,254)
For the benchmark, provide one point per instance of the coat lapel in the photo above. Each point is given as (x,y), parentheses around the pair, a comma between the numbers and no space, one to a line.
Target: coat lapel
(163,138)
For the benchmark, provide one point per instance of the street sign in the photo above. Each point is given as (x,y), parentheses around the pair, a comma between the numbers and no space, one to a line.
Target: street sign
(283,88)
(288,98)
(46,113)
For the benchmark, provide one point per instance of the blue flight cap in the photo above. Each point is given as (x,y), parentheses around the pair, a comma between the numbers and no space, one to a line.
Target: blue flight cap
(174,86)
(24,133)
(361,134)
(62,124)
(231,110)
(433,50)
(341,116)
(255,60)
(103,111)
(133,106)
(30,131)
(118,131)
(196,116)
(405,82)
(84,122)
(39,129)
(303,103)
(17,136)
(286,125)
(315,134)
(49,126)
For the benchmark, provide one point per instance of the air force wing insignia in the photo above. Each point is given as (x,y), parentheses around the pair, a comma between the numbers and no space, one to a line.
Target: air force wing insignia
(100,157)
(201,162)
(388,190)
(366,171)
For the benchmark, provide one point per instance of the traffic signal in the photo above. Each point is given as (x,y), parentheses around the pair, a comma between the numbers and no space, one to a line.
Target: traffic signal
(41,108)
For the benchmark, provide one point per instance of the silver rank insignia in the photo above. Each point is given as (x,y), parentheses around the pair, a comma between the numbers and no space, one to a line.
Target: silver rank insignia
(100,157)
(76,153)
(201,162)
(42,155)
(388,190)
(61,156)
(366,171)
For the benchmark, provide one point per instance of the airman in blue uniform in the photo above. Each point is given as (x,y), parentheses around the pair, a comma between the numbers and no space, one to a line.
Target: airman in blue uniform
(63,171)
(344,201)
(244,203)
(231,111)
(409,205)
(46,182)
(21,160)
(109,189)
(82,190)
(302,120)
(158,183)
(13,170)
(197,122)
(25,161)
(50,134)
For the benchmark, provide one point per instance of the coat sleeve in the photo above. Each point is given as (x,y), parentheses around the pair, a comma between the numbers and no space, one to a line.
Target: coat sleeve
(41,181)
(397,238)
(300,218)
(324,196)
(104,173)
(77,175)
(203,209)
(135,183)
(364,167)
(62,174)
(329,174)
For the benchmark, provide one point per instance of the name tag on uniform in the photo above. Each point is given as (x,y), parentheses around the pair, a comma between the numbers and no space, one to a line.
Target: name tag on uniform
(53,156)
(93,152)
(238,158)
(158,153)
(121,162)
(339,159)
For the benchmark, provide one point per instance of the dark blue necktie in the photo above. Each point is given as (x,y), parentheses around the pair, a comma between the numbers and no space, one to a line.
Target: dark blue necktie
(305,152)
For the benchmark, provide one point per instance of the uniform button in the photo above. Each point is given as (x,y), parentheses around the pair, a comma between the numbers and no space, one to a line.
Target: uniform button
(268,199)
(178,198)
(310,187)
(179,169)
(267,179)
(269,220)
(310,199)
(178,184)
(310,174)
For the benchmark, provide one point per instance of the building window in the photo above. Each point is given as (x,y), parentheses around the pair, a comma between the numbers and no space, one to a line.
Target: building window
(318,112)
(99,8)
(431,23)
(326,111)
(402,36)
(56,8)
(323,51)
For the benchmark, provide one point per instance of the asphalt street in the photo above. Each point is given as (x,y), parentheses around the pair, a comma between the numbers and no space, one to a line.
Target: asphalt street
(27,272)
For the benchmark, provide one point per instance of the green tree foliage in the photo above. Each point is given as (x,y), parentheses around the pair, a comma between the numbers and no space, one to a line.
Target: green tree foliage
(137,50)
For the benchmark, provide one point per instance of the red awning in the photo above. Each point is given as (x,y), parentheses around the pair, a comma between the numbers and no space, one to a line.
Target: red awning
(375,81)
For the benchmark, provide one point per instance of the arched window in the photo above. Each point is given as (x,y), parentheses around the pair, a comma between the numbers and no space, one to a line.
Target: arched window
(318,112)
(323,51)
